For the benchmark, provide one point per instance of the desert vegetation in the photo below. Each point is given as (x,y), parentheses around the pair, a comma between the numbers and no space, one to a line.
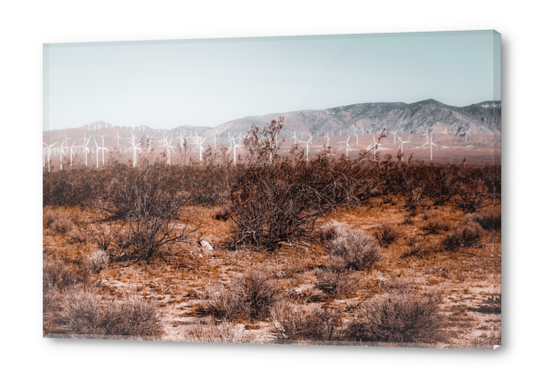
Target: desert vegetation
(274,249)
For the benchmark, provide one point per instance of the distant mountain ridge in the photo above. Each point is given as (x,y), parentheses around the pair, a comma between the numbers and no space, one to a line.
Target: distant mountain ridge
(365,118)
(370,118)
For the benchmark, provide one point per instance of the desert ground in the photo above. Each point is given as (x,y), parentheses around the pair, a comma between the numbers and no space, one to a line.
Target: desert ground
(332,250)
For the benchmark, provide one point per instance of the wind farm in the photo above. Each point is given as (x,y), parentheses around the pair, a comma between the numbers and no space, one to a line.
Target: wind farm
(331,190)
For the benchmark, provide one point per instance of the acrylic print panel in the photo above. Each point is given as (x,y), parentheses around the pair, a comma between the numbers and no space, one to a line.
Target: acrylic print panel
(339,190)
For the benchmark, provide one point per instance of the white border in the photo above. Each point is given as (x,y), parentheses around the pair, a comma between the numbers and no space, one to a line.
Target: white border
(26,25)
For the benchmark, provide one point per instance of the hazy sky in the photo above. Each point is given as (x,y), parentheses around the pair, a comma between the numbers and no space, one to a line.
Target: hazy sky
(164,84)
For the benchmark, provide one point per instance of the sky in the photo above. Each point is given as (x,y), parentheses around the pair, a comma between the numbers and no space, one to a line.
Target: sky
(206,82)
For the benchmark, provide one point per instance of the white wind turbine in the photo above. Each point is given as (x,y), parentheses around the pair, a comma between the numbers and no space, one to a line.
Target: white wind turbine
(327,138)
(307,149)
(295,138)
(118,138)
(180,137)
(374,146)
(431,144)
(169,147)
(199,145)
(103,148)
(401,142)
(72,152)
(134,149)
(85,147)
(233,146)
(466,134)
(347,146)
(48,150)
(394,135)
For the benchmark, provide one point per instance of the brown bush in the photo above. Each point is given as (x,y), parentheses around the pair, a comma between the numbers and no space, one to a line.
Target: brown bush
(249,296)
(386,235)
(221,215)
(434,224)
(222,333)
(57,275)
(469,235)
(334,283)
(291,323)
(84,314)
(63,225)
(397,318)
(358,250)
(96,261)
(331,230)
(487,220)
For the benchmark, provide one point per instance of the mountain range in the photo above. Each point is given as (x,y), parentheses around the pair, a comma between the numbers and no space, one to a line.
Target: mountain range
(367,118)
(370,118)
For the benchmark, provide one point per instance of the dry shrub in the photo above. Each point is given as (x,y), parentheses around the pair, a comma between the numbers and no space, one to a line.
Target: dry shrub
(96,261)
(434,224)
(63,225)
(225,332)
(487,220)
(471,196)
(293,266)
(292,323)
(358,250)
(332,230)
(469,235)
(57,275)
(397,318)
(84,314)
(249,296)
(386,235)
(221,215)
(334,283)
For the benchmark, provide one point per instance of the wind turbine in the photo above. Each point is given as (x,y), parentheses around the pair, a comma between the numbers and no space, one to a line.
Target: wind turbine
(401,142)
(308,149)
(327,137)
(347,146)
(373,146)
(394,135)
(466,134)
(48,149)
(167,144)
(431,144)
(234,146)
(103,149)
(295,138)
(180,137)
(118,138)
(199,144)
(71,153)
(134,149)
(85,147)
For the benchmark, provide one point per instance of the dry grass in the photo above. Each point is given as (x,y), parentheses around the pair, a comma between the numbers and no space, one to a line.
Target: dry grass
(85,314)
(397,318)
(179,283)
(357,250)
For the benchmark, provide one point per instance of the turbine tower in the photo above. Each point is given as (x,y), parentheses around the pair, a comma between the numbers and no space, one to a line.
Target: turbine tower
(169,147)
(118,138)
(347,146)
(134,149)
(401,142)
(374,146)
(199,145)
(48,150)
(307,149)
(431,144)
(234,146)
(103,149)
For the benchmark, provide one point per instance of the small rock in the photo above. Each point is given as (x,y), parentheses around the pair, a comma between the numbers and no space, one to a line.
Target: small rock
(206,245)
